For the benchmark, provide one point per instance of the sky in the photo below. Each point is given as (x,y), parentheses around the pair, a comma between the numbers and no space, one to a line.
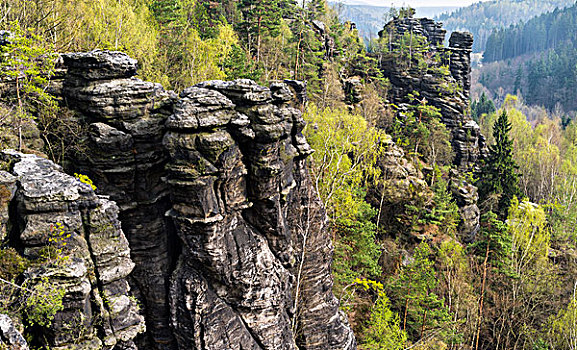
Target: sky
(416,3)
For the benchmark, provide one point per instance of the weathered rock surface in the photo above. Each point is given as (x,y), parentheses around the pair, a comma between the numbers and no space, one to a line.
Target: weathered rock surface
(433,31)
(240,194)
(90,256)
(401,183)
(227,235)
(10,337)
(466,196)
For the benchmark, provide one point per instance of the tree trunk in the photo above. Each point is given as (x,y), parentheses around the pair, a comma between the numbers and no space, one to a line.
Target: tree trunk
(482,297)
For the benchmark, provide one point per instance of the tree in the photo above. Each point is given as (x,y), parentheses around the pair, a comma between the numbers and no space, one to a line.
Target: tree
(423,311)
(26,66)
(498,175)
(483,106)
(260,17)
(383,330)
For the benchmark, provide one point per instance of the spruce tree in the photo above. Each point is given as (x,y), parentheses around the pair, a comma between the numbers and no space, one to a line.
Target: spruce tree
(498,175)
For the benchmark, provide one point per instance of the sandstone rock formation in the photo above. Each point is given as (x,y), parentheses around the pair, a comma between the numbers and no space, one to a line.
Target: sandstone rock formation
(91,257)
(401,183)
(226,232)
(124,118)
(450,94)
(256,258)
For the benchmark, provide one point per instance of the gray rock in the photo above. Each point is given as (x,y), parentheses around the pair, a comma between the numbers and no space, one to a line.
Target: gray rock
(99,65)
(237,205)
(212,190)
(7,192)
(10,337)
(241,92)
(126,120)
(91,258)
(450,94)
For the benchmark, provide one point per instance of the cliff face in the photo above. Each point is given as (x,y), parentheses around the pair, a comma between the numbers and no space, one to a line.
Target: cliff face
(450,94)
(227,237)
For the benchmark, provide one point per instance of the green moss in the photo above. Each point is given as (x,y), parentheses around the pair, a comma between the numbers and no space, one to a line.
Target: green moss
(12,264)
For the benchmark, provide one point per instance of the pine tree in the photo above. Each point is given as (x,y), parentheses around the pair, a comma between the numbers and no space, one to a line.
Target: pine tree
(260,17)
(317,9)
(498,175)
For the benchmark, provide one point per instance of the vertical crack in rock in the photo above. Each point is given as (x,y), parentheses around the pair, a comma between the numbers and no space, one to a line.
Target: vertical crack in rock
(94,263)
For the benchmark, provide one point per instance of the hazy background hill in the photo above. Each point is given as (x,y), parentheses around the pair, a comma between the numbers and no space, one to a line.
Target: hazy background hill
(536,59)
(482,18)
(371,19)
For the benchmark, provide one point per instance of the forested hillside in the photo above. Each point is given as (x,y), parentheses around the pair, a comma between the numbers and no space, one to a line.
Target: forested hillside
(536,59)
(484,17)
(255,178)
(553,30)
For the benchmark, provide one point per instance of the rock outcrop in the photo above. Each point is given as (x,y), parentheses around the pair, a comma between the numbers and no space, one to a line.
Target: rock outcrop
(124,118)
(59,219)
(226,232)
(428,28)
(251,271)
(449,92)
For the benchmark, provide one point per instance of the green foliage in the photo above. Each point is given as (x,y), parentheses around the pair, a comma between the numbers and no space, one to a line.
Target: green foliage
(561,329)
(441,217)
(413,290)
(27,66)
(383,330)
(483,18)
(347,150)
(238,65)
(494,241)
(44,300)
(529,236)
(39,298)
(498,175)
(421,133)
(445,212)
(356,249)
(483,106)
(12,264)
(259,18)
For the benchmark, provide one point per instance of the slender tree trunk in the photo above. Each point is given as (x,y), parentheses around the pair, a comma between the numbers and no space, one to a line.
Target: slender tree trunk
(20,112)
(258,39)
(482,297)
(406,312)
(424,323)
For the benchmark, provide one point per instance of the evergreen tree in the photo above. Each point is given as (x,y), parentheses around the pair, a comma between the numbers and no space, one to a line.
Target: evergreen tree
(483,106)
(260,17)
(317,9)
(422,310)
(498,175)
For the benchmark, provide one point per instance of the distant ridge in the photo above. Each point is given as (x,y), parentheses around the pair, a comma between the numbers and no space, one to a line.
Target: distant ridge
(371,19)
(484,17)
